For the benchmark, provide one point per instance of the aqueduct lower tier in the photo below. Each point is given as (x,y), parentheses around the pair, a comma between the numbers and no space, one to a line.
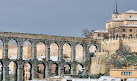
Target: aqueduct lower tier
(47,40)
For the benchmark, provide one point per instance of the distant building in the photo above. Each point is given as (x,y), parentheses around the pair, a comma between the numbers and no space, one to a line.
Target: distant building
(123,73)
(123,25)
(100,34)
(121,31)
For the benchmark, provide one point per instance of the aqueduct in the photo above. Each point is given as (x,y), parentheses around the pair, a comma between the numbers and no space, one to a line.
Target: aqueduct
(47,40)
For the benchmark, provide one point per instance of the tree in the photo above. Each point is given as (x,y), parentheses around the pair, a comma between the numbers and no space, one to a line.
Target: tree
(118,59)
(124,51)
(87,32)
(113,61)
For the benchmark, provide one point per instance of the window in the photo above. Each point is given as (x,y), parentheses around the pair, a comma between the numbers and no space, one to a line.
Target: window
(98,35)
(124,30)
(126,73)
(130,30)
(130,35)
(117,35)
(123,35)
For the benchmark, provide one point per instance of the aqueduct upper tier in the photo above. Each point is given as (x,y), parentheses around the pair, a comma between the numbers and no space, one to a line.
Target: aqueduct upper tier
(34,39)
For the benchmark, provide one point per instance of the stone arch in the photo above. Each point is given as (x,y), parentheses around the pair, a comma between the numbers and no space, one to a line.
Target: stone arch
(27,71)
(67,52)
(41,51)
(12,71)
(67,69)
(92,48)
(1,49)
(79,53)
(79,69)
(12,49)
(41,71)
(54,69)
(27,46)
(54,51)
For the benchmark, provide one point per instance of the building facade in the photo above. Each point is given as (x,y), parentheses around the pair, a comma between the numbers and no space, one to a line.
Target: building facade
(100,34)
(121,32)
(123,25)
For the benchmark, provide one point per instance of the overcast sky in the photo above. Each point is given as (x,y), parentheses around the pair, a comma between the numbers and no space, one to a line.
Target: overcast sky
(58,17)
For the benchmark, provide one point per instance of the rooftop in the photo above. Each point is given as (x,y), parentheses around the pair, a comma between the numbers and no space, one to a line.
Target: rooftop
(101,31)
(132,18)
(124,69)
(118,19)
(129,25)
(131,11)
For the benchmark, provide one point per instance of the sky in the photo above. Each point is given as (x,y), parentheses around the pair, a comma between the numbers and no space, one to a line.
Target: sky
(58,17)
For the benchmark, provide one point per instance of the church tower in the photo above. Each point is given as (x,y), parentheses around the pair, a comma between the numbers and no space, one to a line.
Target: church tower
(115,13)
(115,8)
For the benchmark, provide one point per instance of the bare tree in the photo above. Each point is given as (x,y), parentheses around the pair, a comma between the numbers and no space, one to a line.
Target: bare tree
(87,32)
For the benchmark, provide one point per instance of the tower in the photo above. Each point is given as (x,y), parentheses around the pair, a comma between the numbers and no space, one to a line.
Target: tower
(115,8)
(115,13)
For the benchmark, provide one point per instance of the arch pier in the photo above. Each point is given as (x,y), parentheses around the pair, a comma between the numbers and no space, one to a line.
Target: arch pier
(62,68)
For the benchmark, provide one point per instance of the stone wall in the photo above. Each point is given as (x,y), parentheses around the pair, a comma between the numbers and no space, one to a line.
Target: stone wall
(112,45)
(108,47)
(97,63)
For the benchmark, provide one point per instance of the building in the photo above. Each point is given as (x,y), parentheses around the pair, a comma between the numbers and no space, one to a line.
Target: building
(100,34)
(122,25)
(121,31)
(123,73)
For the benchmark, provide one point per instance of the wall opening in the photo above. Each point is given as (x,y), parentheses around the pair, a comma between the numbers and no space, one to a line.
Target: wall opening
(67,69)
(54,52)
(27,50)
(1,49)
(41,51)
(12,71)
(12,49)
(79,53)
(79,69)
(54,70)
(41,71)
(27,71)
(67,52)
